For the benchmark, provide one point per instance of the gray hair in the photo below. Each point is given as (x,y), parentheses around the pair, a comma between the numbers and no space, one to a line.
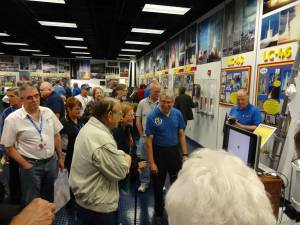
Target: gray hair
(216,187)
(26,87)
(166,93)
(15,90)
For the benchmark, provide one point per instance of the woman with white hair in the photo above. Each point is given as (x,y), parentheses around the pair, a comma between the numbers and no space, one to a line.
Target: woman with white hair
(217,188)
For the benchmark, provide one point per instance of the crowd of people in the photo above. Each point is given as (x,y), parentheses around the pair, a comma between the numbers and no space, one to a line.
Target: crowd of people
(109,141)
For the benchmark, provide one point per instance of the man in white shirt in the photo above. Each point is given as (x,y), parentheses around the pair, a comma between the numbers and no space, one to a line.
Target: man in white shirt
(84,97)
(30,136)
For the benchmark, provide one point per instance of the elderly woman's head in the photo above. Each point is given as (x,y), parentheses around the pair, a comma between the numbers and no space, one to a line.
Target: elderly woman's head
(215,187)
(97,93)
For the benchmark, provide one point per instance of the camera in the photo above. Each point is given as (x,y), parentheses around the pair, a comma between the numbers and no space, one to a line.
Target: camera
(231,120)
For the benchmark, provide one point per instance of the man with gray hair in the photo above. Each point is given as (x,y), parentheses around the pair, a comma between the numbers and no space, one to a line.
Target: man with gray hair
(30,136)
(216,187)
(145,106)
(165,131)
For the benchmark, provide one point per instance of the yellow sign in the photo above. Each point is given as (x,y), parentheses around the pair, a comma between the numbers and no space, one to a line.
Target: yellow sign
(265,132)
(281,53)
(276,83)
(236,61)
(2,73)
(233,98)
(271,106)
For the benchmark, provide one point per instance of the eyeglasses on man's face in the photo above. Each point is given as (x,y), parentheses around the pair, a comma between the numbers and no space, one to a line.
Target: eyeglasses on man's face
(32,97)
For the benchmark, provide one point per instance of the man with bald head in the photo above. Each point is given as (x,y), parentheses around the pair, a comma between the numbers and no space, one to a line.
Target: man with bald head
(52,100)
(246,115)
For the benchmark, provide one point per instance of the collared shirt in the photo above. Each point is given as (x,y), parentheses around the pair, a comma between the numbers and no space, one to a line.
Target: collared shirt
(84,101)
(247,116)
(19,132)
(164,128)
(145,106)
(4,114)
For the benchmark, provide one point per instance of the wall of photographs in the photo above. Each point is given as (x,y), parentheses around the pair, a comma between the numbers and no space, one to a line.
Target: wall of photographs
(240,44)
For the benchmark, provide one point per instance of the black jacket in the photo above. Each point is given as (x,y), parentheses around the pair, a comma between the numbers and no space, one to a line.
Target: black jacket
(184,104)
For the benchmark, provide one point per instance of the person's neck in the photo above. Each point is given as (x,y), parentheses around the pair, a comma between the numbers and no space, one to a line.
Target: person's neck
(34,113)
(166,114)
(84,96)
(74,119)
(153,99)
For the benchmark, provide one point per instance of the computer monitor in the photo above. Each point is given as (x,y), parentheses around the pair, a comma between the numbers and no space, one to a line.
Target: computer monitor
(243,144)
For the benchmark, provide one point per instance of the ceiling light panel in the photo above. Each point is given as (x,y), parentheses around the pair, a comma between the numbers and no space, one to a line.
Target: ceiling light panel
(30,50)
(40,55)
(77,47)
(4,35)
(147,31)
(130,50)
(58,24)
(68,38)
(14,43)
(2,53)
(83,57)
(137,42)
(123,59)
(81,53)
(49,1)
(126,55)
(165,9)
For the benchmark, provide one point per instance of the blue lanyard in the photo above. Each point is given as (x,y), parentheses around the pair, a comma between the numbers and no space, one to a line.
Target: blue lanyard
(78,127)
(39,130)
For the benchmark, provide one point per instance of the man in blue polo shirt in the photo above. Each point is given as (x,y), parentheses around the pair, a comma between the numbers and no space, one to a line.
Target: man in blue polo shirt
(247,116)
(164,131)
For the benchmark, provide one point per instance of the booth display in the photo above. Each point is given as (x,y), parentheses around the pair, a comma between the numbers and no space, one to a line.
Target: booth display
(233,79)
(183,80)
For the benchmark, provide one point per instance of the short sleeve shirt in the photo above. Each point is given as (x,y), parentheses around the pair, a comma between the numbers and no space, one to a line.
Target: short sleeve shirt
(56,104)
(19,132)
(164,128)
(145,106)
(247,116)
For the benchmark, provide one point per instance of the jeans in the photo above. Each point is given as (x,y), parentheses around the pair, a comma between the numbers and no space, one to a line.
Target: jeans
(142,151)
(89,217)
(38,181)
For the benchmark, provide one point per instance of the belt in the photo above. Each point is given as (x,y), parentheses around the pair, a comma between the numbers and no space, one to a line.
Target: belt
(38,160)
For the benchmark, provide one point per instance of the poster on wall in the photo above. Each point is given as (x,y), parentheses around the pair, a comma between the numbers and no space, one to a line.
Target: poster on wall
(239,27)
(24,62)
(270,5)
(271,85)
(7,81)
(97,69)
(8,63)
(233,79)
(190,42)
(35,64)
(142,66)
(174,53)
(183,80)
(164,81)
(49,65)
(281,27)
(182,47)
(167,50)
(124,69)
(147,64)
(210,38)
(152,62)
(160,58)
(63,65)
(84,72)
(24,75)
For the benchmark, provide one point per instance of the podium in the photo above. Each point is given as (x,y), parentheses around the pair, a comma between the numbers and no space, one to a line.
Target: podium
(273,188)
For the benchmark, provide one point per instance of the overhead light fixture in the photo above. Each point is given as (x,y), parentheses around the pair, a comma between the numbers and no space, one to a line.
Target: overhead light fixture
(40,55)
(137,42)
(2,53)
(123,59)
(14,43)
(146,31)
(30,50)
(81,53)
(68,38)
(4,35)
(126,55)
(130,50)
(165,9)
(58,24)
(49,1)
(78,47)
(83,57)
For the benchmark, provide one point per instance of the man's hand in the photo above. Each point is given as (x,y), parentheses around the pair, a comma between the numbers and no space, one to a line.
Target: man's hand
(60,163)
(27,166)
(141,165)
(153,168)
(38,212)
(184,158)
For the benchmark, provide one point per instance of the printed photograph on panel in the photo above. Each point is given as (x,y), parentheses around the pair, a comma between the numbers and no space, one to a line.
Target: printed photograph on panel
(160,58)
(142,66)
(35,64)
(215,36)
(146,60)
(167,49)
(203,42)
(124,69)
(63,65)
(228,29)
(182,48)
(49,65)
(190,39)
(269,31)
(270,5)
(174,59)
(24,63)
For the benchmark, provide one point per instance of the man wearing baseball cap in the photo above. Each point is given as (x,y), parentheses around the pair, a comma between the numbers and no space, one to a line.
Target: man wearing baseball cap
(83,97)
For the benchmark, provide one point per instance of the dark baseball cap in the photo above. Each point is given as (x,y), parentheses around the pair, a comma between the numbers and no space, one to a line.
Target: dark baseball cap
(85,86)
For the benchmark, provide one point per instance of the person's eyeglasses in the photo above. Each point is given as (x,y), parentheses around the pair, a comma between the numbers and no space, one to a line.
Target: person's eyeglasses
(30,98)
(118,113)
(130,115)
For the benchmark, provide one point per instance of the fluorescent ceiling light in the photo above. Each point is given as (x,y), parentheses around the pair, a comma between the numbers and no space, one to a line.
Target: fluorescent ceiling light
(126,55)
(14,43)
(83,57)
(2,53)
(82,53)
(130,50)
(30,50)
(123,59)
(137,42)
(69,38)
(165,9)
(58,24)
(147,31)
(78,47)
(40,55)
(4,34)
(49,1)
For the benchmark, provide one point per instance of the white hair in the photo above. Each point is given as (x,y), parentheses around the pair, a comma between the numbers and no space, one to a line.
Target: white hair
(166,93)
(215,187)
